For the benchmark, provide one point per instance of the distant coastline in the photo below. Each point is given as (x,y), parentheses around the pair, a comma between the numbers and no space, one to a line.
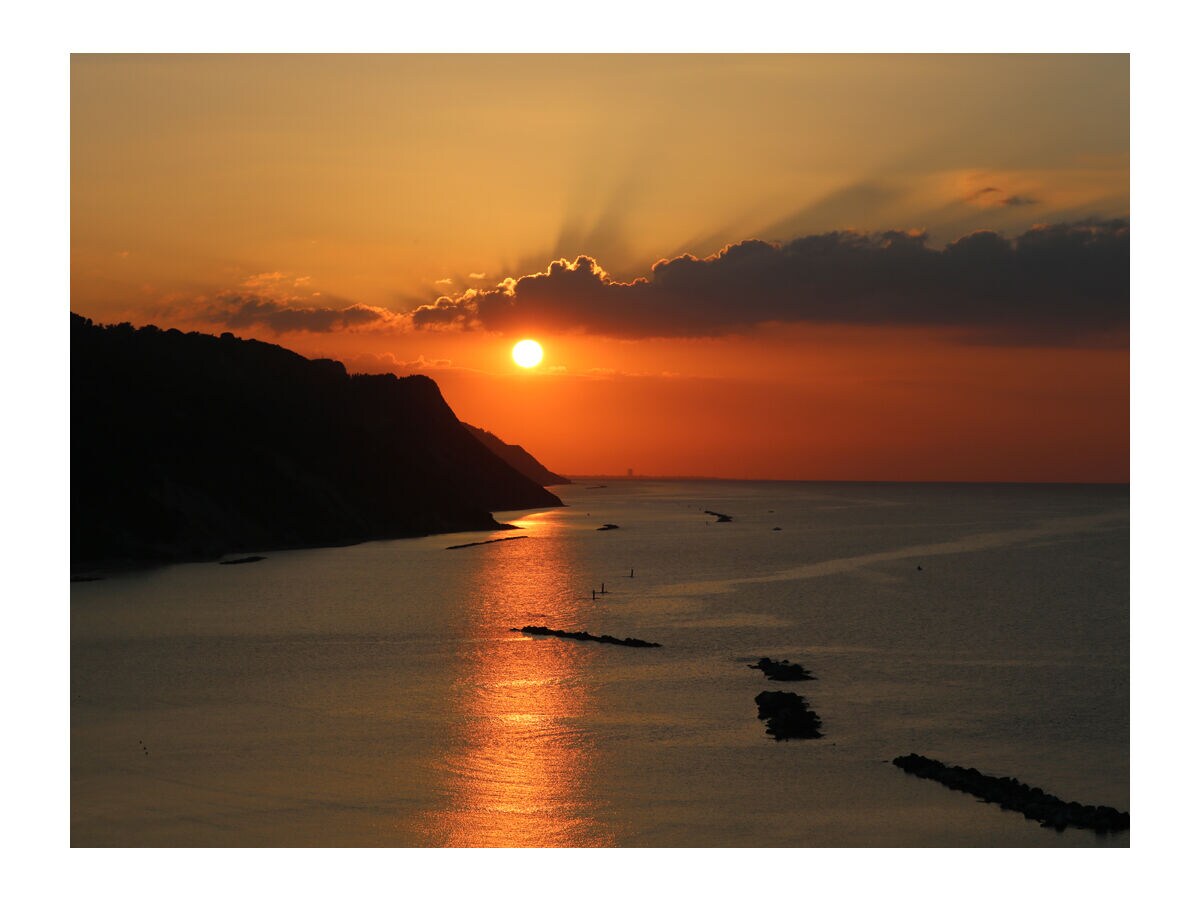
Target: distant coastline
(584,479)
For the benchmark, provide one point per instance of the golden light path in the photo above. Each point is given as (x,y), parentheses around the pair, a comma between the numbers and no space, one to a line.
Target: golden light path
(520,772)
(527,353)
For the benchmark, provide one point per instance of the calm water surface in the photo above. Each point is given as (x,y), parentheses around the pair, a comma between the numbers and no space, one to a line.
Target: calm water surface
(374,695)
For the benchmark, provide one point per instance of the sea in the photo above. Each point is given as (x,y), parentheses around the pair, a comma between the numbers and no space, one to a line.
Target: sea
(378,694)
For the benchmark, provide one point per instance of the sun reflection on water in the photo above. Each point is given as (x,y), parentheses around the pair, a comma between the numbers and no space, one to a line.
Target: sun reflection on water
(520,769)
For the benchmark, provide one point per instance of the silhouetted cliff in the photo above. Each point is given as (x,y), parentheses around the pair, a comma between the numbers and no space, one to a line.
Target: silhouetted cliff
(187,446)
(517,457)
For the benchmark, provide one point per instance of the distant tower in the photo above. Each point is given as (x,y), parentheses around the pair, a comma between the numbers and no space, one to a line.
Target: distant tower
(629,472)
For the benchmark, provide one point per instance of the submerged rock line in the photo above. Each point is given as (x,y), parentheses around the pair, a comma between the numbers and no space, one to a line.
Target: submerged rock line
(1009,793)
(519,537)
(585,636)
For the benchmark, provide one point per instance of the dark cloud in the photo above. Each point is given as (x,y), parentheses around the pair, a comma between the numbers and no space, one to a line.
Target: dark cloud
(982,192)
(993,196)
(382,363)
(1054,283)
(245,310)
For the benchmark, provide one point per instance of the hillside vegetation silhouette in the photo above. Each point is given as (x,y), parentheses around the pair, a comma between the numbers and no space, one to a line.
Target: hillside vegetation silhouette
(517,457)
(189,446)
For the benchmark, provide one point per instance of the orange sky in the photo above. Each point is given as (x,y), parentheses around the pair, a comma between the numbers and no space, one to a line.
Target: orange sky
(316,202)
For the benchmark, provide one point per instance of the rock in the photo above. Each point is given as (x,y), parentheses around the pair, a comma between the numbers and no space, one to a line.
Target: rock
(783,671)
(241,560)
(787,715)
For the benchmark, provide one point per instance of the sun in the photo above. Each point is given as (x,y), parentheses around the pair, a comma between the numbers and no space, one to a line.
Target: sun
(527,353)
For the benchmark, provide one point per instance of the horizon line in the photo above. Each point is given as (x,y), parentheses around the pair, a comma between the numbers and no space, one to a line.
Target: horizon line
(574,478)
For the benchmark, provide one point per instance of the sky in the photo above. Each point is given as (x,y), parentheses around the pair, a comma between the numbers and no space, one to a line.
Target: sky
(871,267)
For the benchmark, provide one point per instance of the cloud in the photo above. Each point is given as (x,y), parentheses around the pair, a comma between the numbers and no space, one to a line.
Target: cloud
(265,280)
(381,363)
(1054,283)
(241,310)
(993,196)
